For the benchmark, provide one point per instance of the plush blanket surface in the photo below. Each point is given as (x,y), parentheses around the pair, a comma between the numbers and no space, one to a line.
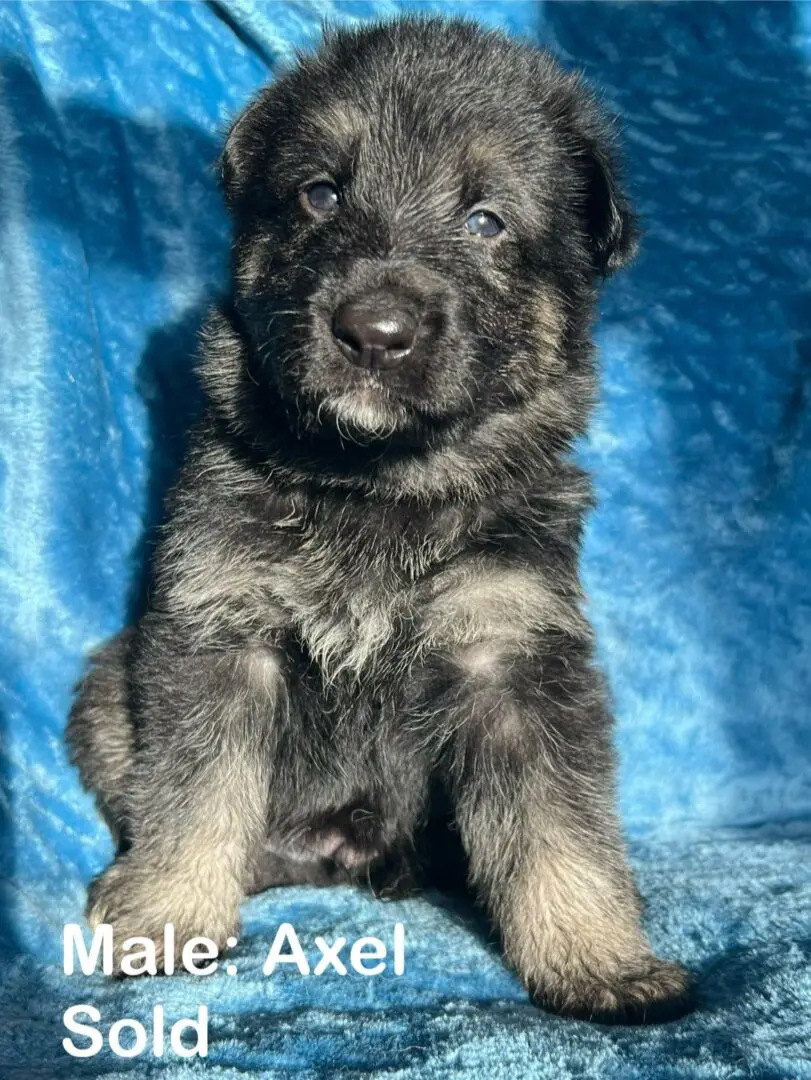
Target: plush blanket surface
(112,242)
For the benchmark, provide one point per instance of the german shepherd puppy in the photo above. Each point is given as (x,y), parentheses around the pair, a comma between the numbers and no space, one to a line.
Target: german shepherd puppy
(367,590)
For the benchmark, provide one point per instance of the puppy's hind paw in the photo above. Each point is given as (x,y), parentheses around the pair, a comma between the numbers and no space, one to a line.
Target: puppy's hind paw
(393,877)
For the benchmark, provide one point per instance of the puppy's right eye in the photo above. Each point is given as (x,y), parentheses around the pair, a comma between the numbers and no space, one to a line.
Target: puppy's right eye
(320,198)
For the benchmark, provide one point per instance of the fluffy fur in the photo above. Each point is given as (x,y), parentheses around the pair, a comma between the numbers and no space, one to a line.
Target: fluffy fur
(367,590)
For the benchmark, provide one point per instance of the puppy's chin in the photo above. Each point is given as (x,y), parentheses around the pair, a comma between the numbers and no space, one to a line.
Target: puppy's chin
(364,414)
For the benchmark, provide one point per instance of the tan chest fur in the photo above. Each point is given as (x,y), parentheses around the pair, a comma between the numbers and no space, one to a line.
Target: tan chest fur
(350,600)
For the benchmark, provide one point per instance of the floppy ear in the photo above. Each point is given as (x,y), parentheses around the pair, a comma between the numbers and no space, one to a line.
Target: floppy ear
(610,223)
(228,159)
(242,145)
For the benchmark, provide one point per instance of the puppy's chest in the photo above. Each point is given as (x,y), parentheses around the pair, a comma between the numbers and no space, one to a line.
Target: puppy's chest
(354,588)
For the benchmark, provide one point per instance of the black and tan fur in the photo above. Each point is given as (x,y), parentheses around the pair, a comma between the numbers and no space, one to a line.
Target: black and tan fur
(367,590)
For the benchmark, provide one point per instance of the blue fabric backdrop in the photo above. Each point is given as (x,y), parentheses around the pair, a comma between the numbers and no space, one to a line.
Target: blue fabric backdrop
(112,242)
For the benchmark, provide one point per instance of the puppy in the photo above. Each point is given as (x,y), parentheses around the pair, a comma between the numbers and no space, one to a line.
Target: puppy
(367,589)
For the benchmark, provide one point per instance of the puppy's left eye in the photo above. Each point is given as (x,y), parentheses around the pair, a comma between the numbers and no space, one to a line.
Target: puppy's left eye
(323,198)
(483,223)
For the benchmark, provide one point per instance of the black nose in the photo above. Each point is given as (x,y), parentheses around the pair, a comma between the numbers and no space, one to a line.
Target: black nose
(375,333)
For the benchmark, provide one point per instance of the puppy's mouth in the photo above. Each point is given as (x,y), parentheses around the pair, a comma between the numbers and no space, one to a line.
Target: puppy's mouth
(370,365)
(365,412)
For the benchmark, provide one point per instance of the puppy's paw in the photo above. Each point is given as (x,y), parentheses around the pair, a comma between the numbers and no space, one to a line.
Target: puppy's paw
(655,993)
(352,837)
(139,901)
(394,877)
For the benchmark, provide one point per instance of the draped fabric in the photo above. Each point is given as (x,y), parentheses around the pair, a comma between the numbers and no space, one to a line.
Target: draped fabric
(113,240)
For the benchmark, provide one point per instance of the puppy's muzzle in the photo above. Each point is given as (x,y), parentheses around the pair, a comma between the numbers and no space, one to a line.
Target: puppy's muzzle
(376,332)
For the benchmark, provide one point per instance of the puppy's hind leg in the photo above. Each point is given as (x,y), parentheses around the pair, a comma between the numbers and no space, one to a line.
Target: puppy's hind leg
(100,734)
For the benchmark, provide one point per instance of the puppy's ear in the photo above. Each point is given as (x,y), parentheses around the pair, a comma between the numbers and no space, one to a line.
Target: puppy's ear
(228,161)
(242,146)
(610,223)
(608,220)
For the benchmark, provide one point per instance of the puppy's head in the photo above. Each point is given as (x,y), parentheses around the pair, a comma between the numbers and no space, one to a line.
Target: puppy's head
(421,211)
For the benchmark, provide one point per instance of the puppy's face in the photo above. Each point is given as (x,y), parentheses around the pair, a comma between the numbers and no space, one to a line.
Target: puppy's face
(419,210)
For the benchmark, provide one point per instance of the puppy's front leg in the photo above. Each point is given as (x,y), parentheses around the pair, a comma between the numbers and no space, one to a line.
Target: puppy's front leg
(205,724)
(532,775)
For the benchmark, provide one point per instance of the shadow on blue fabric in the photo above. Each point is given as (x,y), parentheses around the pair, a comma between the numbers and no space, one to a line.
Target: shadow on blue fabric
(114,241)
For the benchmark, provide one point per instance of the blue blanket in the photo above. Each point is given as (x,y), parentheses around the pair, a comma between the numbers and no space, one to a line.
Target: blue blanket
(113,240)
